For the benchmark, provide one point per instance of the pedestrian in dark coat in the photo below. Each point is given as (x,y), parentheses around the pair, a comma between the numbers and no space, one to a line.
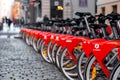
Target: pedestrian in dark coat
(9,22)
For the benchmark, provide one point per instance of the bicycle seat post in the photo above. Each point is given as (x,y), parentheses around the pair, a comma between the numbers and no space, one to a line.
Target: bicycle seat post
(91,20)
(101,19)
(87,24)
(114,29)
(113,18)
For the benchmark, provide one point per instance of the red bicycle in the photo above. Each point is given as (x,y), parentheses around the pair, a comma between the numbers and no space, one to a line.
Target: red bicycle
(105,54)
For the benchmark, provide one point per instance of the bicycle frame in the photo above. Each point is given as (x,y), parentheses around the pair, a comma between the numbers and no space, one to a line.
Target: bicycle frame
(100,52)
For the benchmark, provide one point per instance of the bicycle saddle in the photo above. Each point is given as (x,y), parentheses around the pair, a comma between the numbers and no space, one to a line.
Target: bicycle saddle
(81,14)
(113,16)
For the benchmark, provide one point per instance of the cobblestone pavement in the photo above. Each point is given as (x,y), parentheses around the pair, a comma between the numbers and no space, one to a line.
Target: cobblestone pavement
(20,62)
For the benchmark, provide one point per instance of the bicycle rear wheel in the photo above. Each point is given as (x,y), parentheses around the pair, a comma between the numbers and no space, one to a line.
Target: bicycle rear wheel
(44,52)
(39,41)
(27,40)
(34,43)
(57,56)
(49,51)
(82,60)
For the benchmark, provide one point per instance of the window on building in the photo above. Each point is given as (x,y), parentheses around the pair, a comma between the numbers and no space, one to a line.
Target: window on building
(55,13)
(103,10)
(114,8)
(83,3)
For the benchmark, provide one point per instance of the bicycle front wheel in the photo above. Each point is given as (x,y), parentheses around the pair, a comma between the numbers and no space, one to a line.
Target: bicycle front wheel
(115,75)
(68,66)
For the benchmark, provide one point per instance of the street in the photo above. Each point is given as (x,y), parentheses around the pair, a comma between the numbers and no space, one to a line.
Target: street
(18,61)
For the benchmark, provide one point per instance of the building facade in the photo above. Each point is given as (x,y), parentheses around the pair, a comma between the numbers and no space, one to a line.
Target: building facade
(67,9)
(5,8)
(24,11)
(54,9)
(70,7)
(84,6)
(108,6)
(0,11)
(50,8)
(60,9)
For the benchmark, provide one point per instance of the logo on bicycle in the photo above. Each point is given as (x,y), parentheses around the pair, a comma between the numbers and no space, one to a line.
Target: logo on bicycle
(97,46)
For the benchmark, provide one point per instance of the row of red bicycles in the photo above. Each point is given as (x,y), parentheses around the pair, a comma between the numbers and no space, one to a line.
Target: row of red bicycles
(85,48)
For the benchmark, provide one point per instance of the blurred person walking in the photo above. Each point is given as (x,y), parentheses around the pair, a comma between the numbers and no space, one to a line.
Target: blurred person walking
(5,24)
(9,22)
(22,22)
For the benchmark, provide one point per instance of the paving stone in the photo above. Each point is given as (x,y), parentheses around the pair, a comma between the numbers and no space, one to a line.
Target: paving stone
(19,61)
